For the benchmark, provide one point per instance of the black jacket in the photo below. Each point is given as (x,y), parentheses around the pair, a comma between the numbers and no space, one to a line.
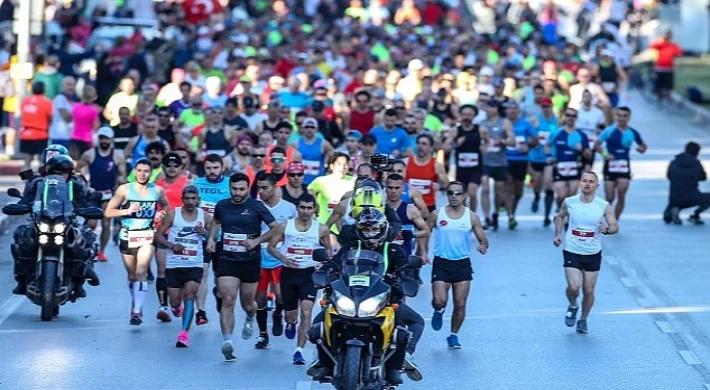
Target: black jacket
(348,235)
(684,173)
(80,196)
(396,257)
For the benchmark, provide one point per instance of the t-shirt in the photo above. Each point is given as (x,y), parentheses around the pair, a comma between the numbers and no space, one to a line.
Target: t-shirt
(36,112)
(84,117)
(121,99)
(667,51)
(60,130)
(241,222)
(389,141)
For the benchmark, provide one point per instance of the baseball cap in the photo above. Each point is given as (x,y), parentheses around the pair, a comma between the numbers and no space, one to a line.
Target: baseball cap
(295,166)
(512,103)
(368,139)
(310,122)
(487,71)
(546,101)
(497,82)
(244,138)
(355,134)
(249,102)
(105,132)
(318,105)
(493,103)
(172,157)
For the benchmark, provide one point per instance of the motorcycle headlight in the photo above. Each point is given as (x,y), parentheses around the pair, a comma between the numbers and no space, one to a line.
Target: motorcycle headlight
(59,228)
(43,227)
(344,305)
(43,239)
(58,240)
(371,306)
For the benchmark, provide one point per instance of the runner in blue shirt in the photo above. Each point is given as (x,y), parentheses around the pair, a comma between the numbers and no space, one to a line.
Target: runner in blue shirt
(392,140)
(525,139)
(617,140)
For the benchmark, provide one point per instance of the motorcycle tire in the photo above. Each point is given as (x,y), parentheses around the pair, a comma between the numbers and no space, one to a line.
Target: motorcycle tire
(49,278)
(350,374)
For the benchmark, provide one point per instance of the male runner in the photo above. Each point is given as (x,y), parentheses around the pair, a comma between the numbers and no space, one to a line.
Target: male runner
(106,169)
(329,189)
(517,156)
(137,204)
(300,236)
(618,140)
(423,170)
(270,266)
(240,219)
(545,123)
(452,264)
(186,227)
(585,213)
(410,194)
(564,149)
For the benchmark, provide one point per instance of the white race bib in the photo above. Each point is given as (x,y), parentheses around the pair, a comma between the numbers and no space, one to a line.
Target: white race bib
(542,136)
(568,168)
(311,167)
(619,166)
(139,238)
(609,86)
(582,235)
(106,195)
(208,207)
(234,242)
(519,142)
(219,152)
(494,147)
(424,186)
(468,160)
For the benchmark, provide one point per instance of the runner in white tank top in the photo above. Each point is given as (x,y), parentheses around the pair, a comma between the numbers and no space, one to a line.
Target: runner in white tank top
(187,227)
(586,214)
(452,263)
(300,237)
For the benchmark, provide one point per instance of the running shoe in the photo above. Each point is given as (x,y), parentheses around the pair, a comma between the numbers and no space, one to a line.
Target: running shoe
(675,216)
(437,320)
(298,359)
(101,257)
(494,222)
(535,206)
(183,340)
(278,325)
(571,316)
(248,328)
(512,223)
(547,222)
(201,318)
(228,351)
(177,311)
(136,318)
(695,220)
(453,341)
(582,326)
(262,342)
(163,315)
(411,369)
(290,331)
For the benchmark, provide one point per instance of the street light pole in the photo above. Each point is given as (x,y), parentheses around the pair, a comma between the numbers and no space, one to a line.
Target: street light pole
(22,71)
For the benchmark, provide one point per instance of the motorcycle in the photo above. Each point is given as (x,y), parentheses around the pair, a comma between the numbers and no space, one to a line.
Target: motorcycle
(54,233)
(359,332)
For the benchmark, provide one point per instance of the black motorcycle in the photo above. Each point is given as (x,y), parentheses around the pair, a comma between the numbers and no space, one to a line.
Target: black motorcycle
(359,332)
(54,240)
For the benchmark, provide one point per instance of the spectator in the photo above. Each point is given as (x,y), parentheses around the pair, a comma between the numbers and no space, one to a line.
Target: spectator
(50,77)
(665,64)
(36,116)
(86,122)
(62,121)
(684,173)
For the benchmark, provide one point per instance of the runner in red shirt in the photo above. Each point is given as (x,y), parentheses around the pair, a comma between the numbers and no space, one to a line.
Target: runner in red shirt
(667,52)
(423,171)
(36,117)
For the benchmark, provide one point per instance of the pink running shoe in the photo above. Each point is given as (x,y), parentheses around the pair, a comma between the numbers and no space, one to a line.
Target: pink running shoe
(182,340)
(177,311)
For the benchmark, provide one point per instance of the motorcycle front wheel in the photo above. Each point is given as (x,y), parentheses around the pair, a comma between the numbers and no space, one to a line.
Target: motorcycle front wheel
(350,378)
(49,278)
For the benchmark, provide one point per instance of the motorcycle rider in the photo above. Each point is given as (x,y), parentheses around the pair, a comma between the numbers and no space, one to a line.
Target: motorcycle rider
(371,229)
(59,164)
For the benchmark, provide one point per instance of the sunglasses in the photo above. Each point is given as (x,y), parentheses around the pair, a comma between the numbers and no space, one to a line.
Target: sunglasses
(278,160)
(172,165)
(295,175)
(571,115)
(363,101)
(163,116)
(309,127)
(258,155)
(454,193)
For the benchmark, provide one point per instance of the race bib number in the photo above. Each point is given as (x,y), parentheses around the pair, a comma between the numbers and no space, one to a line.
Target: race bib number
(208,207)
(581,235)
(219,152)
(519,142)
(423,185)
(311,167)
(332,204)
(494,147)
(234,242)
(399,239)
(609,86)
(468,160)
(543,136)
(139,238)
(106,195)
(619,166)
(568,168)
(359,281)
(187,253)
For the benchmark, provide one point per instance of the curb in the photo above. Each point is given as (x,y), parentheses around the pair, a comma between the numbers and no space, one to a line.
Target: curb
(699,114)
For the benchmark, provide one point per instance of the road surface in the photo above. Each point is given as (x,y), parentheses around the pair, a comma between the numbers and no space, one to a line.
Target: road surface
(648,329)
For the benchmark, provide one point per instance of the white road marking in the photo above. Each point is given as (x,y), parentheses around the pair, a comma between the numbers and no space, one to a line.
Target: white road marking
(303,385)
(627,282)
(665,327)
(690,357)
(10,306)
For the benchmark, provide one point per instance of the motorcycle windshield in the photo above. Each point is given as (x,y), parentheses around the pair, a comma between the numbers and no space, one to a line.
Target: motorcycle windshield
(362,268)
(54,197)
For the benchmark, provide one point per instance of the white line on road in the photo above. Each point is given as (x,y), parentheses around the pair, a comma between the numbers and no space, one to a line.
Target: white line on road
(303,385)
(665,327)
(627,282)
(9,307)
(690,357)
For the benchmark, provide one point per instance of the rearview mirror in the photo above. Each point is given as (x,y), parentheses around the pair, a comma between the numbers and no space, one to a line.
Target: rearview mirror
(320,255)
(16,209)
(409,288)
(90,213)
(320,279)
(415,262)
(14,193)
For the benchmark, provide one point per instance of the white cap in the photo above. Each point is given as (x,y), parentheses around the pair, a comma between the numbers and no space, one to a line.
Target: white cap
(487,71)
(607,52)
(105,132)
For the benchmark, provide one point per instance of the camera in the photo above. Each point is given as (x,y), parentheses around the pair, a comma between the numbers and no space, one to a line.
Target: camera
(382,161)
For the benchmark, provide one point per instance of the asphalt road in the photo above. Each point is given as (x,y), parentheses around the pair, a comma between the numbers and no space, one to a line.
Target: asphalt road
(648,329)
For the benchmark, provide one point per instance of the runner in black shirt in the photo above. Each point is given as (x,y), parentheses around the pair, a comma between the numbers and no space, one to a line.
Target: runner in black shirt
(240,219)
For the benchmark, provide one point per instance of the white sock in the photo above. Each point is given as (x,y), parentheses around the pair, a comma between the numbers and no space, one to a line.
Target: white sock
(130,289)
(440,310)
(140,290)
(299,349)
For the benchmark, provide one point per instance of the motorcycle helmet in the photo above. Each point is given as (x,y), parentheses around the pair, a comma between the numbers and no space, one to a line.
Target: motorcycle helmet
(371,227)
(53,150)
(368,194)
(59,164)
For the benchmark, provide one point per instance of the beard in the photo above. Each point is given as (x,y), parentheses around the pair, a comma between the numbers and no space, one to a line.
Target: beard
(104,145)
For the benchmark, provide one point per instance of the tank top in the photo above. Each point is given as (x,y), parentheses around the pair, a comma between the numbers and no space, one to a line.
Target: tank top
(183,232)
(405,194)
(452,241)
(423,177)
(169,135)
(282,212)
(142,220)
(173,192)
(216,143)
(299,246)
(212,192)
(608,77)
(123,136)
(495,156)
(406,235)
(103,173)
(363,122)
(285,195)
(468,155)
(265,126)
(312,159)
(236,165)
(583,236)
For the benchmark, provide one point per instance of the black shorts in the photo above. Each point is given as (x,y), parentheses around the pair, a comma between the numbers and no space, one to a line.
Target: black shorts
(664,81)
(124,249)
(245,271)
(587,161)
(451,271)
(613,176)
(589,263)
(431,208)
(469,175)
(33,147)
(497,173)
(538,167)
(297,285)
(178,277)
(518,170)
(77,147)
